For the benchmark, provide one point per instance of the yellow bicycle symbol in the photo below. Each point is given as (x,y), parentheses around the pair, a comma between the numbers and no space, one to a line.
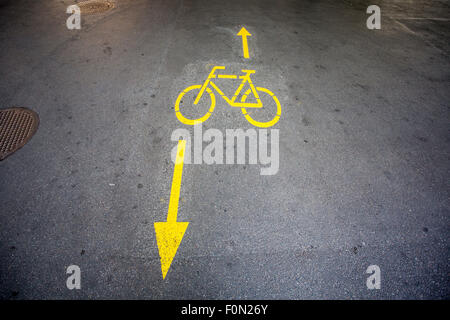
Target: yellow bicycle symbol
(232,102)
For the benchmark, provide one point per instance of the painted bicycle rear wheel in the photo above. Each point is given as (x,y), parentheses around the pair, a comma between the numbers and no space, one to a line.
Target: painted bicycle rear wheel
(183,102)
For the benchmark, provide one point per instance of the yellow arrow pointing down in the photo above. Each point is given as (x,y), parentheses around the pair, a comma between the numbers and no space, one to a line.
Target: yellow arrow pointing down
(170,233)
(244,33)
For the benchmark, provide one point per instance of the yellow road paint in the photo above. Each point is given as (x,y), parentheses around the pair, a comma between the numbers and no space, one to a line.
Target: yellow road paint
(208,84)
(244,34)
(258,123)
(170,233)
(191,122)
(176,182)
(227,76)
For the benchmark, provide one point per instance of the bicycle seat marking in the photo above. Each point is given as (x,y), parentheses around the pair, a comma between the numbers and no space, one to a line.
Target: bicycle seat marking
(208,84)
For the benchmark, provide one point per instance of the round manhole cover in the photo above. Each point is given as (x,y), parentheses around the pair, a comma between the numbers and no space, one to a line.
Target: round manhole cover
(17,126)
(94,6)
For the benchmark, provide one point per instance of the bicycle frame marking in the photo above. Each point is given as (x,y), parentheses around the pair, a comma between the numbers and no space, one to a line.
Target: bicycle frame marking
(232,102)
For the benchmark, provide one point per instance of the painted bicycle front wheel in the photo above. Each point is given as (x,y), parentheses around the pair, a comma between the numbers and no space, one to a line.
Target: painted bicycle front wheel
(262,92)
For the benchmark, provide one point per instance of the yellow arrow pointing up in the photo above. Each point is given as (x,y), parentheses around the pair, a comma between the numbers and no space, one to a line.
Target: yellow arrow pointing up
(170,233)
(244,34)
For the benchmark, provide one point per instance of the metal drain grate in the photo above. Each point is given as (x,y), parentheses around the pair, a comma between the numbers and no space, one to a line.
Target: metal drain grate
(17,126)
(94,6)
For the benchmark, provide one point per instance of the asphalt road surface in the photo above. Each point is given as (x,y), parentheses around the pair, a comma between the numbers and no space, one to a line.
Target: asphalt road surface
(364,150)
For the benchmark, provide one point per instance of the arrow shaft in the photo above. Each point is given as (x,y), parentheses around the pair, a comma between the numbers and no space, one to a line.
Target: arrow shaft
(245,47)
(176,182)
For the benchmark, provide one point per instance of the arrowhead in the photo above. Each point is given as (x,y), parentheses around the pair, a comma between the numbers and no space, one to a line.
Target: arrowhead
(243,32)
(168,237)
